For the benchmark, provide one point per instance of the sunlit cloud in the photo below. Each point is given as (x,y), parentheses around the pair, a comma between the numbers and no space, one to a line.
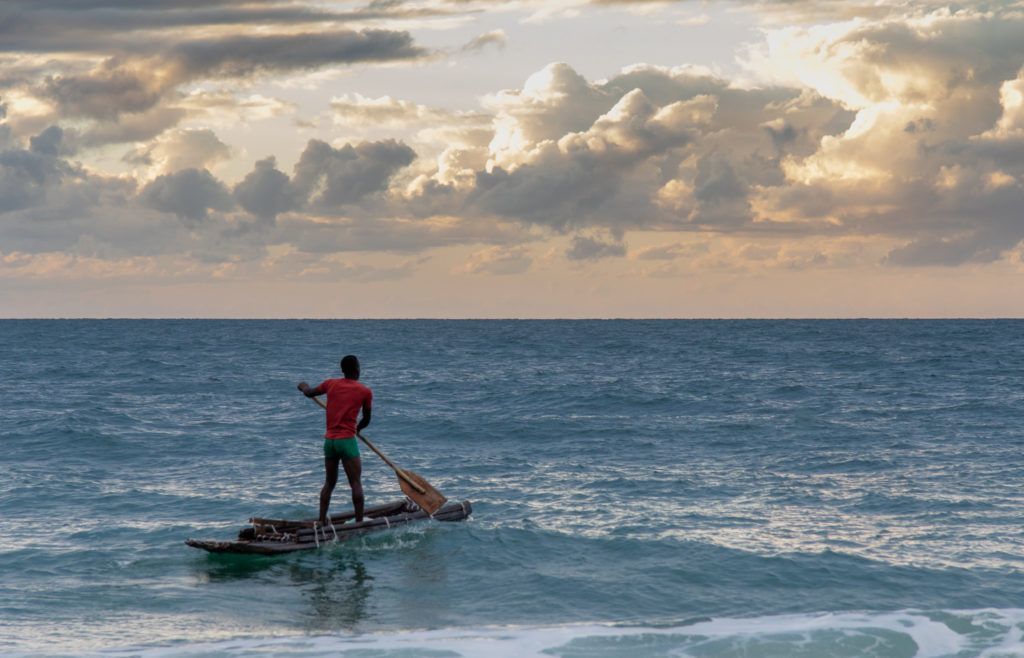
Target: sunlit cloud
(846,134)
(497,260)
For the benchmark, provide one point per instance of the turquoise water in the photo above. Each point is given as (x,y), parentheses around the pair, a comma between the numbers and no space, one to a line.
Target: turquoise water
(705,488)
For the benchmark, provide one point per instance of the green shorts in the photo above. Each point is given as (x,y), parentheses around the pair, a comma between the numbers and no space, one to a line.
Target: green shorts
(341,448)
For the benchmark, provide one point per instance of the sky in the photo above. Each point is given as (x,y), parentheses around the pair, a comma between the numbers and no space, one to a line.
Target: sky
(511,159)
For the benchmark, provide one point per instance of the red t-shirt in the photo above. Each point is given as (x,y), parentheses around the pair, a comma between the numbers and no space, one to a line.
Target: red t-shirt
(345,397)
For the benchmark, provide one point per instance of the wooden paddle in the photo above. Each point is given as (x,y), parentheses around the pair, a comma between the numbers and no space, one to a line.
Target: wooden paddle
(414,486)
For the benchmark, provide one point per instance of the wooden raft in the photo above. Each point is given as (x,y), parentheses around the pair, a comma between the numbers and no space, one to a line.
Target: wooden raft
(275,536)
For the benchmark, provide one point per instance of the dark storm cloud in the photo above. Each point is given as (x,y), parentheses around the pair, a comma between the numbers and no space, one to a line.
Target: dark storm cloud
(973,224)
(721,194)
(266,191)
(190,194)
(47,142)
(326,179)
(103,94)
(141,55)
(124,86)
(329,178)
(563,194)
(145,27)
(243,55)
(26,178)
(48,203)
(37,176)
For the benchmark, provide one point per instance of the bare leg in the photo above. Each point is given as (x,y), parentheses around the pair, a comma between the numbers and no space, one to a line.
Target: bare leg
(354,473)
(330,479)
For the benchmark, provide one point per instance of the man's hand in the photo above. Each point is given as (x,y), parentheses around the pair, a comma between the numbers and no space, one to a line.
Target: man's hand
(309,391)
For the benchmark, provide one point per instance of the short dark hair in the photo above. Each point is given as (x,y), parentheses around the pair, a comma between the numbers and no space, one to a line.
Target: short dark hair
(349,364)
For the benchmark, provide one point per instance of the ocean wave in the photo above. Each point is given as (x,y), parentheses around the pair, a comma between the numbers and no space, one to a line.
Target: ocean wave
(904,634)
(619,471)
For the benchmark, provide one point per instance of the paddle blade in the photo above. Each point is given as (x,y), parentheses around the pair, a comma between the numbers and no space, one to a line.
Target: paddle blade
(430,501)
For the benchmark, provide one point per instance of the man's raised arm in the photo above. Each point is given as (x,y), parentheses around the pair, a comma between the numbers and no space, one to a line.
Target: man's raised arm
(310,391)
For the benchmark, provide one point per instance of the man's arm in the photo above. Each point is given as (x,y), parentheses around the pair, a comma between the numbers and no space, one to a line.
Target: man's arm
(367,413)
(311,391)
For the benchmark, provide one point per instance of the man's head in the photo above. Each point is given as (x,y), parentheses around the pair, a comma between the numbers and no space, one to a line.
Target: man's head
(350,367)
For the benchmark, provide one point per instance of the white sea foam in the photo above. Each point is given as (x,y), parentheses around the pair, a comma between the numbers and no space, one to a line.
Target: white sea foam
(988,633)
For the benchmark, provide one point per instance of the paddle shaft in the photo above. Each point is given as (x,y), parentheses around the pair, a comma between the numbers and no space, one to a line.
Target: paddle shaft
(399,472)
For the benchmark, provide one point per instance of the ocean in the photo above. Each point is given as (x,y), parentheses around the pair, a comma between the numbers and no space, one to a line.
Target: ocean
(639,488)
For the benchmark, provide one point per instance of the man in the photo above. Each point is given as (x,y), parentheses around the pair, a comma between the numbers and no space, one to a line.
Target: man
(345,397)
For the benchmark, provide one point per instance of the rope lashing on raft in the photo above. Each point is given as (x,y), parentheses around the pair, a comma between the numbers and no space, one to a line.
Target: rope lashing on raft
(333,530)
(316,535)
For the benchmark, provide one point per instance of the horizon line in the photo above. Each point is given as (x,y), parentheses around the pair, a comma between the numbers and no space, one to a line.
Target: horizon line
(520,319)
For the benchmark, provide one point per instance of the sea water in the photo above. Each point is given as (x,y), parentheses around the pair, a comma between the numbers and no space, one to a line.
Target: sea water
(661,488)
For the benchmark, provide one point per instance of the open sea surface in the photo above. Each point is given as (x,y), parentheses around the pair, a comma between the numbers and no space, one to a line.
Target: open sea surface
(640,488)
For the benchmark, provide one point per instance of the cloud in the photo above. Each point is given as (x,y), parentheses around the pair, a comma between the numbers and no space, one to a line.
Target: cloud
(1011,121)
(227,109)
(791,12)
(553,102)
(123,85)
(372,273)
(239,56)
(356,109)
(947,252)
(498,260)
(929,156)
(266,191)
(330,178)
(720,193)
(694,21)
(97,27)
(182,149)
(189,194)
(651,147)
(111,72)
(903,125)
(39,179)
(392,234)
(592,176)
(286,261)
(105,93)
(671,251)
(130,128)
(496,38)
(26,178)
(585,247)
(49,142)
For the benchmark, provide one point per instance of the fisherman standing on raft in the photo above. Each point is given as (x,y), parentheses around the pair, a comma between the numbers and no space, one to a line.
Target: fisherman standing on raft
(345,397)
